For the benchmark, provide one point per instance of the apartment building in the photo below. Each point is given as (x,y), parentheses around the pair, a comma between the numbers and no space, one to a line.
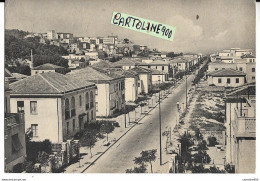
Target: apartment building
(55,107)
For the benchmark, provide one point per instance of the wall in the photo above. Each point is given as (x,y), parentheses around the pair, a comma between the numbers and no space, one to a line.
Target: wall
(11,159)
(246,155)
(80,110)
(214,80)
(219,66)
(46,117)
(131,87)
(33,72)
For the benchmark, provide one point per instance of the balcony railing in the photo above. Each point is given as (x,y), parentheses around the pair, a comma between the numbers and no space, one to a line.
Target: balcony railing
(13,119)
(244,123)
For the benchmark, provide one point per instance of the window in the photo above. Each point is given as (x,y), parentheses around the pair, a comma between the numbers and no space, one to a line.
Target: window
(96,91)
(219,80)
(68,127)
(20,106)
(119,86)
(67,109)
(240,69)
(123,85)
(92,115)
(73,124)
(87,101)
(34,128)
(162,67)
(237,80)
(96,106)
(73,110)
(216,68)
(33,107)
(253,78)
(228,80)
(16,144)
(91,100)
(253,69)
(80,100)
(87,116)
(223,68)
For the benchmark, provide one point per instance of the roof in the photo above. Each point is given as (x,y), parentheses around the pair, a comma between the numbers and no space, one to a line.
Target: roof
(19,76)
(141,70)
(157,72)
(126,62)
(8,73)
(102,63)
(179,60)
(93,74)
(247,56)
(47,66)
(226,73)
(126,73)
(246,89)
(47,83)
(156,62)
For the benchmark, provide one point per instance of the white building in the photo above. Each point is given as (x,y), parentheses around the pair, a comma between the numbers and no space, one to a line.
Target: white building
(51,35)
(110,93)
(55,107)
(226,78)
(45,68)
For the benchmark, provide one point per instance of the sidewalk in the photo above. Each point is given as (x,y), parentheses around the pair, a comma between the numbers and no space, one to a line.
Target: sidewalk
(132,118)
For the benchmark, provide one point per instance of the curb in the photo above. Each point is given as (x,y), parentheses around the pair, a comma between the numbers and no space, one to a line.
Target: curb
(122,135)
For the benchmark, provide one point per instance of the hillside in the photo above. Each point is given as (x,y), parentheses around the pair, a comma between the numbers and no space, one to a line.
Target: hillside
(17,47)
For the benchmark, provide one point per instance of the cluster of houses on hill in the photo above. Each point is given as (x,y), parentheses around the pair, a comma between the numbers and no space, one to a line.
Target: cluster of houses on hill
(232,68)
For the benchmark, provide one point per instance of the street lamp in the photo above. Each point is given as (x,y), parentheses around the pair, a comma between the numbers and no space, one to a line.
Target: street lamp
(160,121)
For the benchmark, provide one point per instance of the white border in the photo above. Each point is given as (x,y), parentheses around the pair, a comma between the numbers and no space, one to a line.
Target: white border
(120,177)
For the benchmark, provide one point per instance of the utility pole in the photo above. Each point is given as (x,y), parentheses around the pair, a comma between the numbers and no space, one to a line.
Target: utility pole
(186,92)
(160,121)
(125,116)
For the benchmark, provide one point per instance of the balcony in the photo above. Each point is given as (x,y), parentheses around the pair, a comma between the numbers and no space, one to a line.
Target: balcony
(244,125)
(13,119)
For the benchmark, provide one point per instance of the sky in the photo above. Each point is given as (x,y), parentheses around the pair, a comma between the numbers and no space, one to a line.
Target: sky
(222,24)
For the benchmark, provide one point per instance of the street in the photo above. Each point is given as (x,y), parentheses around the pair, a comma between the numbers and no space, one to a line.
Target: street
(143,136)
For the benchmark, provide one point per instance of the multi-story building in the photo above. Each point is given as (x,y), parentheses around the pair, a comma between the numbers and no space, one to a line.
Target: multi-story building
(218,65)
(14,134)
(55,107)
(241,128)
(51,35)
(126,63)
(158,65)
(226,78)
(110,93)
(145,79)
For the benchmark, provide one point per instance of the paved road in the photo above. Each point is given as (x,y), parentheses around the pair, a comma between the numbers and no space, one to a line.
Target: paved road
(143,136)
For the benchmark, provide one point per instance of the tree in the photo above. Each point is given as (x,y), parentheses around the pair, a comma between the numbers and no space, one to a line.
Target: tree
(201,157)
(148,156)
(202,145)
(230,168)
(141,169)
(107,127)
(89,140)
(212,141)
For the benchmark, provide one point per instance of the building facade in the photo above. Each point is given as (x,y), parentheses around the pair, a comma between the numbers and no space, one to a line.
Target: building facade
(55,107)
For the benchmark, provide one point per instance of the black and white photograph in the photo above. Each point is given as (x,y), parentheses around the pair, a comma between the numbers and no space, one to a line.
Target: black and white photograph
(140,86)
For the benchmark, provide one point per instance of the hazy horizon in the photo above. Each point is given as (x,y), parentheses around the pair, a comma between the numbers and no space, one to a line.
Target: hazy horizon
(221,24)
